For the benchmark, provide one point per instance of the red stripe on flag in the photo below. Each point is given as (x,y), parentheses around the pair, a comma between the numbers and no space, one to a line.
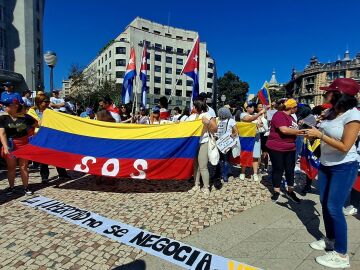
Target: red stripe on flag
(151,169)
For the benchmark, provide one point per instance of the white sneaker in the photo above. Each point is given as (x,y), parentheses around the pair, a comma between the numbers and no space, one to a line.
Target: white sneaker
(350,210)
(242,176)
(256,177)
(322,244)
(333,260)
(194,190)
(206,192)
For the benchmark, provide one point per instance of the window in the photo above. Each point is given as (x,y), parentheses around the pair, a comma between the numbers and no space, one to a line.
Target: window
(120,74)
(147,55)
(179,82)
(157,79)
(156,32)
(167,91)
(167,35)
(157,68)
(38,5)
(168,70)
(158,46)
(105,57)
(99,72)
(120,50)
(37,24)
(110,66)
(156,101)
(109,54)
(179,61)
(179,37)
(147,78)
(190,39)
(102,70)
(148,66)
(189,83)
(105,68)
(156,90)
(99,62)
(148,43)
(102,60)
(210,75)
(178,93)
(178,102)
(178,71)
(169,49)
(168,59)
(179,50)
(157,57)
(120,62)
(209,85)
(168,80)
(145,29)
(210,65)
(188,93)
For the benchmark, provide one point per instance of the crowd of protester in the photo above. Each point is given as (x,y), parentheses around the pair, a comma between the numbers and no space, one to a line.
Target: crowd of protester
(281,128)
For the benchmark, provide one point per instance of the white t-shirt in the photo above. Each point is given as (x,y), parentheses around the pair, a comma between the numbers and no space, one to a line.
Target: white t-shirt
(175,117)
(192,117)
(225,126)
(57,101)
(116,116)
(335,129)
(211,112)
(205,137)
(183,118)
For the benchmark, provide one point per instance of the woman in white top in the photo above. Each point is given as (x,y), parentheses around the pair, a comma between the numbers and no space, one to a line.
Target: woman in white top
(249,116)
(338,170)
(264,131)
(202,160)
(226,124)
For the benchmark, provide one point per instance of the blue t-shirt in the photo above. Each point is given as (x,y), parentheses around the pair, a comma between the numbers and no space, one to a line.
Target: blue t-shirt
(5,96)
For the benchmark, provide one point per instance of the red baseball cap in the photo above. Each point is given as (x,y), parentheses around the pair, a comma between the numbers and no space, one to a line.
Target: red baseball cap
(343,85)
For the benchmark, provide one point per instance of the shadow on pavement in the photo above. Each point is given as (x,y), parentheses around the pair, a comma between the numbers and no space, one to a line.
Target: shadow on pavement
(307,214)
(135,265)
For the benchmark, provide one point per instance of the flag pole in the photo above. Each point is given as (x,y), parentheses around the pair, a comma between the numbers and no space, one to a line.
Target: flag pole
(182,70)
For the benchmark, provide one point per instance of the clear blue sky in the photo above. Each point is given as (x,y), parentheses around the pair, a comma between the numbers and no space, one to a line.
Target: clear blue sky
(250,38)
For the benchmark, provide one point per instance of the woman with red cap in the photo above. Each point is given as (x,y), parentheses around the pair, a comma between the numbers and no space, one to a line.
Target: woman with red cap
(337,173)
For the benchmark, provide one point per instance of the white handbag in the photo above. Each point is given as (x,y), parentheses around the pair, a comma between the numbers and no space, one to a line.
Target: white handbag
(236,149)
(213,151)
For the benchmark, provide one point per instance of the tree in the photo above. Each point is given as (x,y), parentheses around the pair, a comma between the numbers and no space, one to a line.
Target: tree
(233,88)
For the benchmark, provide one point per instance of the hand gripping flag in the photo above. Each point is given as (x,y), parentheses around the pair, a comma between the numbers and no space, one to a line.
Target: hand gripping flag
(143,73)
(264,95)
(130,74)
(191,68)
(309,163)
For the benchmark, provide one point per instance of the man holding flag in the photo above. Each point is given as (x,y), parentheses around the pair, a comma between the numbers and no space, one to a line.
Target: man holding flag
(130,74)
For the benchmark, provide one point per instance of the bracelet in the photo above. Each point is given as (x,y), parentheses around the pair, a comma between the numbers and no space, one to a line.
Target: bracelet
(322,135)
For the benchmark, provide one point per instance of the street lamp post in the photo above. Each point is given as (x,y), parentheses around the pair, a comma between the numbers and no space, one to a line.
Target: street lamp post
(50,60)
(223,98)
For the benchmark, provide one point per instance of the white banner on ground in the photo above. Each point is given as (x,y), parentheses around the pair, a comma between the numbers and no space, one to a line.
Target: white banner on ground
(167,249)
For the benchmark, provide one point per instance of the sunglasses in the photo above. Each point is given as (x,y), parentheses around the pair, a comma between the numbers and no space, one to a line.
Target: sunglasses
(46,101)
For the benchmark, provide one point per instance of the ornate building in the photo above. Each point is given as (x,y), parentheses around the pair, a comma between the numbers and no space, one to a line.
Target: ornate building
(304,85)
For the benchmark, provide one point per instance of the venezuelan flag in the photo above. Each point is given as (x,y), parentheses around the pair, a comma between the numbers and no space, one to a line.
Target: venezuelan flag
(264,95)
(117,150)
(309,163)
(247,133)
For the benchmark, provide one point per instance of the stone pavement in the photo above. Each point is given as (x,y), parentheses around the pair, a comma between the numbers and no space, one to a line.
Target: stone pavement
(270,236)
(238,222)
(31,239)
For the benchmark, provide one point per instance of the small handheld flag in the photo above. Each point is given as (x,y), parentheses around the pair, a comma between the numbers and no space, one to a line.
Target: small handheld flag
(264,95)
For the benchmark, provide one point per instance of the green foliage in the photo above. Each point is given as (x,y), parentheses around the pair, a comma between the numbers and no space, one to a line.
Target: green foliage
(277,94)
(233,88)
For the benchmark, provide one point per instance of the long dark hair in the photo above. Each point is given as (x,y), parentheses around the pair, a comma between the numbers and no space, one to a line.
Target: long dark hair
(200,106)
(341,103)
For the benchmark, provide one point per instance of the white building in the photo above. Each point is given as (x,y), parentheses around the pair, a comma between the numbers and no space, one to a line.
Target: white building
(21,42)
(167,49)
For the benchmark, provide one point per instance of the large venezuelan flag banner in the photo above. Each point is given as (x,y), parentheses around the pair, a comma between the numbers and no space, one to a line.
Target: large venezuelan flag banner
(116,150)
(247,133)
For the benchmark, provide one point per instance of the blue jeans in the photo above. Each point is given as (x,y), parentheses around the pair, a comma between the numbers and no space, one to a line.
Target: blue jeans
(335,183)
(299,142)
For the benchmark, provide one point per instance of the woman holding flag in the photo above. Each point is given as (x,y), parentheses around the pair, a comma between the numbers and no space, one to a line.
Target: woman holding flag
(338,167)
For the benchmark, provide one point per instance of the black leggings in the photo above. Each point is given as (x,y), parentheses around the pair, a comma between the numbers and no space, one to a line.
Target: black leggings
(282,161)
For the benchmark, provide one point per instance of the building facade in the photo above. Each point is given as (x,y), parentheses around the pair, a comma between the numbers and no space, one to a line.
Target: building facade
(167,51)
(305,85)
(21,42)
